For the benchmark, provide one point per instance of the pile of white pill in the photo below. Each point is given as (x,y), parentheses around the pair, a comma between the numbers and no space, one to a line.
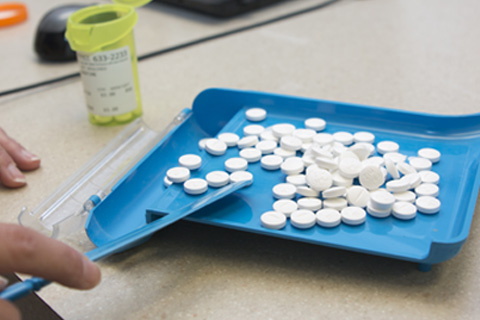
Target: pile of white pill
(330,178)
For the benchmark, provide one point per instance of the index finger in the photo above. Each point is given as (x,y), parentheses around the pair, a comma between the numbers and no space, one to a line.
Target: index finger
(27,251)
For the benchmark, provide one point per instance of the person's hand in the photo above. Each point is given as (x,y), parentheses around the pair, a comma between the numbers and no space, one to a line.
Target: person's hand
(13,158)
(26,251)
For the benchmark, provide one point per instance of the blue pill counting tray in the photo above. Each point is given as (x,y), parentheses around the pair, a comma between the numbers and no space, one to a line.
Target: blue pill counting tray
(138,197)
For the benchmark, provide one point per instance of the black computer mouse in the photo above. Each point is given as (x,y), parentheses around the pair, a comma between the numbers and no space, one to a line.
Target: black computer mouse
(50,43)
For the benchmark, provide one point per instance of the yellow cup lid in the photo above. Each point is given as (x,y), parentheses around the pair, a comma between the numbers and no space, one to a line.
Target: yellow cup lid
(133,3)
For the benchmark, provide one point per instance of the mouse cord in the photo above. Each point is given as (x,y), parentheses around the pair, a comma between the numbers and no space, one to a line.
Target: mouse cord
(180,46)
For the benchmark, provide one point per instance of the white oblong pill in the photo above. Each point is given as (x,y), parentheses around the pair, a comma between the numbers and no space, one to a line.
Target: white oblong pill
(236,164)
(392,169)
(318,179)
(297,179)
(284,153)
(371,177)
(317,124)
(427,189)
(166,182)
(323,139)
(429,153)
(335,203)
(290,143)
(253,130)
(345,138)
(358,196)
(266,146)
(413,180)
(303,219)
(195,186)
(284,191)
(382,199)
(293,165)
(399,185)
(429,177)
(353,216)
(190,161)
(283,129)
(273,220)
(405,168)
(178,174)
(328,218)
(307,192)
(256,114)
(285,206)
(339,180)
(230,139)
(239,176)
(217,179)
(350,167)
(387,146)
(309,203)
(334,192)
(306,135)
(248,141)
(215,147)
(404,210)
(420,164)
(364,136)
(271,162)
(251,154)
(378,213)
(396,157)
(407,196)
(428,205)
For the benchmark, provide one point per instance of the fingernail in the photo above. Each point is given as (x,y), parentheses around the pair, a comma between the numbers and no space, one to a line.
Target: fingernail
(29,156)
(3,283)
(91,273)
(15,174)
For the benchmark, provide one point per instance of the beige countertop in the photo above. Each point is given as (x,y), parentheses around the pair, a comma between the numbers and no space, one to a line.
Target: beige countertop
(404,54)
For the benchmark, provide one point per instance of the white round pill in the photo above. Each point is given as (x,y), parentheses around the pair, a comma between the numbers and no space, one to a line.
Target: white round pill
(236,164)
(371,177)
(195,186)
(328,218)
(358,196)
(316,124)
(293,165)
(321,152)
(364,136)
(405,168)
(268,135)
(429,153)
(248,141)
(217,179)
(392,169)
(284,191)
(190,161)
(323,139)
(303,219)
(216,147)
(283,129)
(353,215)
(335,203)
(285,206)
(378,213)
(326,163)
(404,210)
(297,179)
(413,180)
(253,130)
(306,135)
(271,162)
(255,114)
(399,185)
(339,180)
(307,192)
(429,177)
(387,146)
(362,150)
(178,174)
(166,182)
(407,196)
(273,220)
(427,189)
(251,154)
(306,146)
(337,149)
(428,205)
(382,199)
(318,179)
(334,192)
(290,143)
(202,143)
(350,167)
(420,164)
(375,161)
(307,161)
(230,139)
(345,138)
(266,146)
(284,153)
(396,157)
(309,203)
(239,176)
